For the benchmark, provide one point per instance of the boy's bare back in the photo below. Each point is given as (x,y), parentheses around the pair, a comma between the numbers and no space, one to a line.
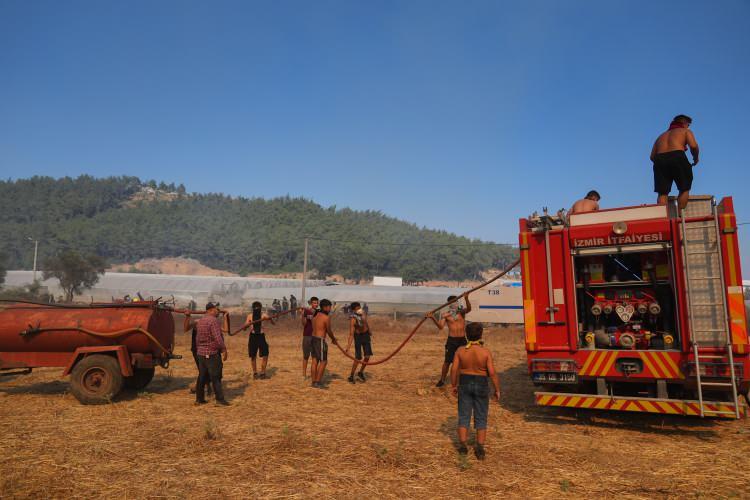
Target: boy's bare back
(476,360)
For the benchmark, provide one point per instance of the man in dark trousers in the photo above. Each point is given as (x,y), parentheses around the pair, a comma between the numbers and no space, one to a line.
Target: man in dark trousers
(671,163)
(212,353)
(190,326)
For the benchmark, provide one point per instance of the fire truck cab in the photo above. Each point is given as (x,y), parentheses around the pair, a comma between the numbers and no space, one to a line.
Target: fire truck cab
(637,309)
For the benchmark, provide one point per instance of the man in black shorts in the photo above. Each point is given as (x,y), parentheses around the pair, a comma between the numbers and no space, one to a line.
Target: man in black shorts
(321,329)
(671,163)
(455,318)
(308,313)
(359,330)
(257,343)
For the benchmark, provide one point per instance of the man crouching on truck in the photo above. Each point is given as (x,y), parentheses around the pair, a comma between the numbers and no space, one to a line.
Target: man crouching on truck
(472,366)
(455,318)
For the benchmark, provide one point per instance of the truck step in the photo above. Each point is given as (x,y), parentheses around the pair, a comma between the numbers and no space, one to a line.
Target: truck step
(717,384)
(639,404)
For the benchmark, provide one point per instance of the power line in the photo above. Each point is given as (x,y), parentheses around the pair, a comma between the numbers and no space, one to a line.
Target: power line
(393,243)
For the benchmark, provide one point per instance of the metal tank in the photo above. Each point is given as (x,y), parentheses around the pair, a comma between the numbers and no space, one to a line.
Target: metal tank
(102,346)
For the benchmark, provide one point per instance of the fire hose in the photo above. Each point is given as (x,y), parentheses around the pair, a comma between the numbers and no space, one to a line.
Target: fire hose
(107,335)
(426,316)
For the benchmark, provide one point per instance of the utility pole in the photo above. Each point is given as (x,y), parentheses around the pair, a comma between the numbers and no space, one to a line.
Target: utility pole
(36,252)
(304,274)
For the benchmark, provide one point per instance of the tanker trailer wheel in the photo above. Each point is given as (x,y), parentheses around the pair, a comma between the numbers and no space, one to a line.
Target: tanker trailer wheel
(96,379)
(140,379)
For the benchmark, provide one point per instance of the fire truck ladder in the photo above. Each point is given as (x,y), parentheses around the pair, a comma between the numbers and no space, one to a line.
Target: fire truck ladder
(707,310)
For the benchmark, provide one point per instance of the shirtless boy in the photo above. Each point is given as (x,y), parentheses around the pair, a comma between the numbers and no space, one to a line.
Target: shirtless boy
(321,328)
(359,330)
(472,366)
(590,203)
(671,163)
(455,318)
(308,313)
(257,342)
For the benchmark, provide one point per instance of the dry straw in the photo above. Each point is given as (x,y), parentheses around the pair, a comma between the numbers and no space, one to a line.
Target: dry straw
(392,436)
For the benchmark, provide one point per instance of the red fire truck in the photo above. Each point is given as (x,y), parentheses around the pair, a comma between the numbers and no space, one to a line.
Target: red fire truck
(637,309)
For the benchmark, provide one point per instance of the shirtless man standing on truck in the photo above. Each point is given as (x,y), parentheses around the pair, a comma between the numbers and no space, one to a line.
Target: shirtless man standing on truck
(671,163)
(455,318)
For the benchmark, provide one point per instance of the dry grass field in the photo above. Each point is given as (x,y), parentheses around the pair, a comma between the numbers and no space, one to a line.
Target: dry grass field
(390,437)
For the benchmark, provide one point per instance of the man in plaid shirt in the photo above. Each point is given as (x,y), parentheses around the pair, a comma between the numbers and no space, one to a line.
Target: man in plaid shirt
(212,352)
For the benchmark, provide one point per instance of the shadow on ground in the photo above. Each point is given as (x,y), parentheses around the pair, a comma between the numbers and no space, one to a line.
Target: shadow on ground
(518,397)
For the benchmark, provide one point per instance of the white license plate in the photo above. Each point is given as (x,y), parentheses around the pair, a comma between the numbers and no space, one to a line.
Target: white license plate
(556,377)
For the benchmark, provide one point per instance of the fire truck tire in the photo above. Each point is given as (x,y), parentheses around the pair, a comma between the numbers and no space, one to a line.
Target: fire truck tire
(140,379)
(96,379)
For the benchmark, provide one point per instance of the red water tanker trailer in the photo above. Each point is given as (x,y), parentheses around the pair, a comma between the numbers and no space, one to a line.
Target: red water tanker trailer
(103,347)
(637,309)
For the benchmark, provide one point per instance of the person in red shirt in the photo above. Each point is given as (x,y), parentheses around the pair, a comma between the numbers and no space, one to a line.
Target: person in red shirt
(211,352)
(308,313)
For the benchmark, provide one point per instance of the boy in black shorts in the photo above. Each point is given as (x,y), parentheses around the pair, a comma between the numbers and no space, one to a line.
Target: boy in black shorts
(308,313)
(257,343)
(321,330)
(455,318)
(359,329)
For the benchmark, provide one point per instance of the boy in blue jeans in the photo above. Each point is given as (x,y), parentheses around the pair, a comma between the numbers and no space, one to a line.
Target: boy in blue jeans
(472,366)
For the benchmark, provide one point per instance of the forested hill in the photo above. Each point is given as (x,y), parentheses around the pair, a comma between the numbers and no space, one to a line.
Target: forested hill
(124,220)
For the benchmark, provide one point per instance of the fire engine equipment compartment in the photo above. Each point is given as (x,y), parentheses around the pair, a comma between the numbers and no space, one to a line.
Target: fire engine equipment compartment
(625,300)
(636,308)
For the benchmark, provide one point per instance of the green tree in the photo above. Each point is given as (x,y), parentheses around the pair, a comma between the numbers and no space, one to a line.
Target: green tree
(248,235)
(74,272)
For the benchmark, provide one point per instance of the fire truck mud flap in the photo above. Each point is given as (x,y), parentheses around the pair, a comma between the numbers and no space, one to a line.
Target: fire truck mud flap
(645,405)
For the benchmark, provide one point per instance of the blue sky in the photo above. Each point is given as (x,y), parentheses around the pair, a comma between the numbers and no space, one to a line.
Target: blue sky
(457,115)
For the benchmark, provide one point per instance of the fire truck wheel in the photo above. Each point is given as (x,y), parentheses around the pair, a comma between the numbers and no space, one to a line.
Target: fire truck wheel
(96,379)
(140,379)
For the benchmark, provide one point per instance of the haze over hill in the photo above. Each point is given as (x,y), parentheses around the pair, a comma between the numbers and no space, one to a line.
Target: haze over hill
(126,220)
